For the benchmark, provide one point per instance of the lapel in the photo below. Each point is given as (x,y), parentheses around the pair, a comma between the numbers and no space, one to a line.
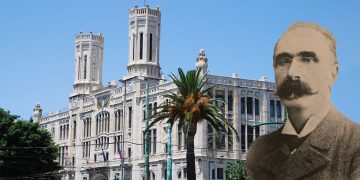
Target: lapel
(309,158)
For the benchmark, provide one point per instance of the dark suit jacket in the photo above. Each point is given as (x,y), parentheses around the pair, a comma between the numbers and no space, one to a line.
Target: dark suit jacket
(331,151)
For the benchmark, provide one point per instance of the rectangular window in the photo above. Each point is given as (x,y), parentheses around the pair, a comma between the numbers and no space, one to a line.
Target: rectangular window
(150,50)
(272,108)
(243,105)
(220,173)
(242,137)
(257,131)
(230,140)
(210,136)
(230,101)
(257,107)
(278,108)
(249,105)
(141,45)
(220,141)
(129,152)
(60,132)
(250,135)
(220,94)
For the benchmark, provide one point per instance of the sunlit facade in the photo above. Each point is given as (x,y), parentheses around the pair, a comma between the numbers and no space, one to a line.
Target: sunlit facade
(104,123)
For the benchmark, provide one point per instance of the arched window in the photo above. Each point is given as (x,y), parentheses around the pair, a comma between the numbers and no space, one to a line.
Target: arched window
(130,117)
(85,61)
(150,110)
(150,49)
(102,122)
(93,68)
(141,45)
(53,133)
(155,107)
(79,67)
(84,133)
(153,175)
(133,47)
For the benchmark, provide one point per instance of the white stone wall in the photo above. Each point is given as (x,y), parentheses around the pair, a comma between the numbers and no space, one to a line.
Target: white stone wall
(205,157)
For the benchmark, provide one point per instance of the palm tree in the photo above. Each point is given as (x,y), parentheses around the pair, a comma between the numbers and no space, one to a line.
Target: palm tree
(190,106)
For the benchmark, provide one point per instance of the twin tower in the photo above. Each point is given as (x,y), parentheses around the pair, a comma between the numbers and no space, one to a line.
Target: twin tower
(143,59)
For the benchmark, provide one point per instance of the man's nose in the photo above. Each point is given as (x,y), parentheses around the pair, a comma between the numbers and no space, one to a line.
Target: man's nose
(295,69)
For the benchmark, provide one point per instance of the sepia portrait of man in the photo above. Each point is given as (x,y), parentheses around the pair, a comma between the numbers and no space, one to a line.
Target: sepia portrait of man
(316,141)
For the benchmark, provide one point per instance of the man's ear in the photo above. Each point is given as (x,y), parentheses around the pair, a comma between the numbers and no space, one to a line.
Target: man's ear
(334,73)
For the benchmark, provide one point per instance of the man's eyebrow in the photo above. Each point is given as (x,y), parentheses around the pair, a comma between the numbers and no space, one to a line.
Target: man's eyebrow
(283,54)
(309,54)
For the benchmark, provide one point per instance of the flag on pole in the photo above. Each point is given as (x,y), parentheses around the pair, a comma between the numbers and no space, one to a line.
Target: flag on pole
(119,151)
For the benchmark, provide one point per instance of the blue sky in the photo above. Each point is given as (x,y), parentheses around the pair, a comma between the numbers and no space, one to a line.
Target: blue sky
(37,43)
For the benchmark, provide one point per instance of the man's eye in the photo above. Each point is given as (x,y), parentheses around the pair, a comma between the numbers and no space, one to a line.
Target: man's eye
(307,59)
(284,60)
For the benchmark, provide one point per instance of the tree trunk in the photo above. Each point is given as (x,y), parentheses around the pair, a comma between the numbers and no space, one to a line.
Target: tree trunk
(190,154)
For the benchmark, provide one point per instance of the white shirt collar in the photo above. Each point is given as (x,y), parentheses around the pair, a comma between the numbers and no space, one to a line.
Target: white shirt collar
(310,125)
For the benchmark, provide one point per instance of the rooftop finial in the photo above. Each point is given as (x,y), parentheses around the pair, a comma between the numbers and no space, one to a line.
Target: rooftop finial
(201,56)
(201,61)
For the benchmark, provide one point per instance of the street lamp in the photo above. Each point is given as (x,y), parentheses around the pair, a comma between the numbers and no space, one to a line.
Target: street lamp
(169,155)
(147,146)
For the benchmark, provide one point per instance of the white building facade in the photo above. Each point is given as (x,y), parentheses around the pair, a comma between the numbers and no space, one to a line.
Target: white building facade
(104,125)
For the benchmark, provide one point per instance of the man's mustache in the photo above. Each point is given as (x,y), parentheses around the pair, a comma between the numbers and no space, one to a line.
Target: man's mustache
(293,87)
